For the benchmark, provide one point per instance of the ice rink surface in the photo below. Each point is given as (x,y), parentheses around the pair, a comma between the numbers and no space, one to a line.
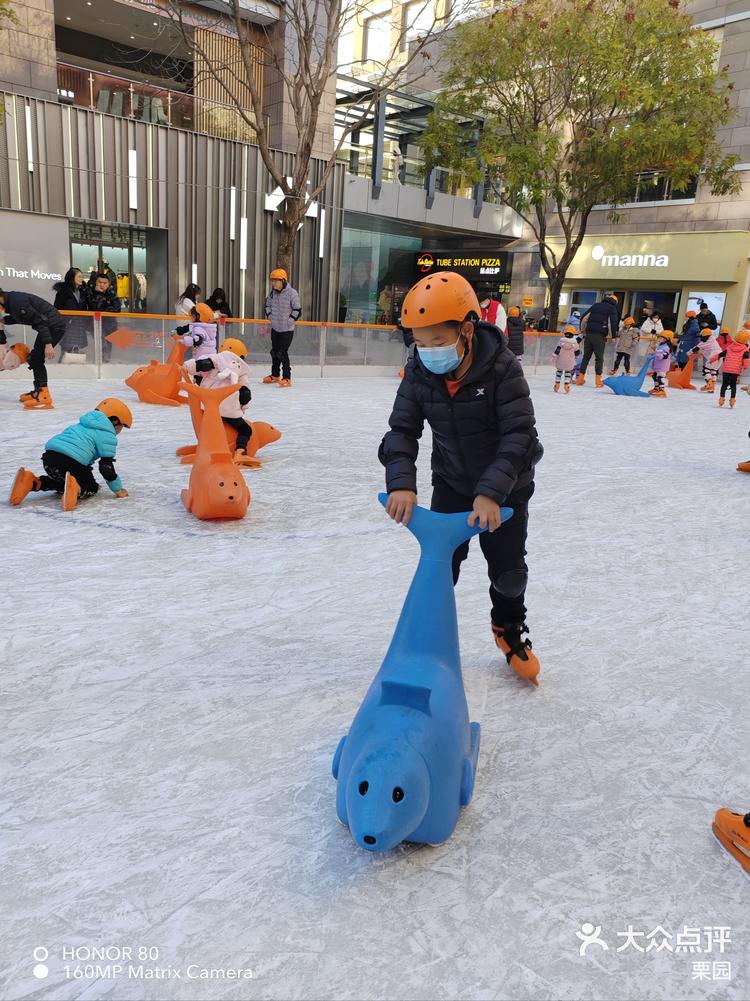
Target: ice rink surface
(173,692)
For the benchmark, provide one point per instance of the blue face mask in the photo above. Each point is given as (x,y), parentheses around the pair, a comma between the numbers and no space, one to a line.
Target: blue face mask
(441,360)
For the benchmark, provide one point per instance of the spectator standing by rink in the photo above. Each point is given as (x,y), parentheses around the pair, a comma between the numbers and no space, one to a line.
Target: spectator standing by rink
(69,295)
(187,300)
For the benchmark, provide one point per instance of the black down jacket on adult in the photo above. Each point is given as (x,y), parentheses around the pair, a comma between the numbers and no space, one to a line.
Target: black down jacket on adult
(602,318)
(484,439)
(35,312)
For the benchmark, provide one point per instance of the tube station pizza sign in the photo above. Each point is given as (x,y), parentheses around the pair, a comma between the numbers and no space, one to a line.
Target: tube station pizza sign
(475,265)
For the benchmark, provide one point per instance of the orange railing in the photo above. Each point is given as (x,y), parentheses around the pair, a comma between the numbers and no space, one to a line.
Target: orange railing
(322,346)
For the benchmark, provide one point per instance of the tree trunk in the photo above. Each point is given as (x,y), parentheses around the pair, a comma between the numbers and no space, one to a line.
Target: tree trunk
(555,282)
(293,216)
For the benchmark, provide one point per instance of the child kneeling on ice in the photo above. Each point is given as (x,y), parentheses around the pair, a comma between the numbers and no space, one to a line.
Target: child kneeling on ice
(69,457)
(200,335)
(661,362)
(565,355)
(228,366)
(468,385)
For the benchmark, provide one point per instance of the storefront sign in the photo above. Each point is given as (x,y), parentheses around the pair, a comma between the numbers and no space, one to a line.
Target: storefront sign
(694,257)
(607,260)
(472,264)
(527,302)
(40,255)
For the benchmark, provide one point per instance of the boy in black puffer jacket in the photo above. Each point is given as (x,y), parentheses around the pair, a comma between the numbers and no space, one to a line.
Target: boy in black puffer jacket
(467,384)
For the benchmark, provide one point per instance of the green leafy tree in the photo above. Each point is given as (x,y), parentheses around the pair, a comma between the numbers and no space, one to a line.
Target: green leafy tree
(574,99)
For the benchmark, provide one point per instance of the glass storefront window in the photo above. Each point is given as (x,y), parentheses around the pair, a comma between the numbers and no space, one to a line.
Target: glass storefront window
(130,255)
(377,270)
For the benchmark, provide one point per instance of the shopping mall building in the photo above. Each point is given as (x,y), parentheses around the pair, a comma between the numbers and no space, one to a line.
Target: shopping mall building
(118,151)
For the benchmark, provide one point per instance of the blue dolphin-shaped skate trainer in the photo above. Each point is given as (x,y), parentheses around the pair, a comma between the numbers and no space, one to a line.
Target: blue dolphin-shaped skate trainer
(407,765)
(629,385)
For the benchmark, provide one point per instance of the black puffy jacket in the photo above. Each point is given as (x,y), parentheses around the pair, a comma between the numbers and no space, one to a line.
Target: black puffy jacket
(602,318)
(484,439)
(708,321)
(516,327)
(35,312)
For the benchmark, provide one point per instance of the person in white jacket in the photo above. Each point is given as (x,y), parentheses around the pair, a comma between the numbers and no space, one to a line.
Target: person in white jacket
(652,326)
(709,348)
(228,366)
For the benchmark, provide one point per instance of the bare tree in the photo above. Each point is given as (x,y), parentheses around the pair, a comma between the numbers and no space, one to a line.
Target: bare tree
(303,53)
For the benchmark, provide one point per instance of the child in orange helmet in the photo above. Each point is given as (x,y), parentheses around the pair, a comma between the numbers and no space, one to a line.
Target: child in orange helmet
(69,457)
(221,369)
(201,334)
(468,385)
(736,359)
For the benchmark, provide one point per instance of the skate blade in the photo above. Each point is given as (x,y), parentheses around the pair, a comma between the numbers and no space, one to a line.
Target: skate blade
(38,406)
(732,848)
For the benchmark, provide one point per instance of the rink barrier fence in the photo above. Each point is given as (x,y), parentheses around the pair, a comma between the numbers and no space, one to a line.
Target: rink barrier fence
(318,347)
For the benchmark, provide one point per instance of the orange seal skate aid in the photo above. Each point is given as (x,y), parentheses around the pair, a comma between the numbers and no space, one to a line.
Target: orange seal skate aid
(732,831)
(217,488)
(159,383)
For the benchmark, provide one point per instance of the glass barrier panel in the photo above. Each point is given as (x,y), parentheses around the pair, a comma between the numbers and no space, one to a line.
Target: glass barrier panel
(385,348)
(129,342)
(345,346)
(78,342)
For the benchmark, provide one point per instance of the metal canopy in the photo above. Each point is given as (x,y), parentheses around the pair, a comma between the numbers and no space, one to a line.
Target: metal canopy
(405,113)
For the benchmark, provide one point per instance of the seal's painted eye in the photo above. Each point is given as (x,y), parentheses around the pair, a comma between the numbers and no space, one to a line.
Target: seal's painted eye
(398,794)
(363,787)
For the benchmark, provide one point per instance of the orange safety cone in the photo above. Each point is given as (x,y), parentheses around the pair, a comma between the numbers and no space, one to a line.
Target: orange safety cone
(681,378)
(217,489)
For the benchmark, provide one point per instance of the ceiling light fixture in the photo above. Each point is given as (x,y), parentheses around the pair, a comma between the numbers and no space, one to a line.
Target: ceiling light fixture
(132,37)
(68,18)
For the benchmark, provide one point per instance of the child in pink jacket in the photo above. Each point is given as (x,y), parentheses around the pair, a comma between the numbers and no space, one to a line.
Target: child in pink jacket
(708,348)
(565,355)
(736,359)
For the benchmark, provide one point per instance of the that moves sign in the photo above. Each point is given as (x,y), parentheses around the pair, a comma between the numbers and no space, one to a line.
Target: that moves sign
(475,265)
(35,252)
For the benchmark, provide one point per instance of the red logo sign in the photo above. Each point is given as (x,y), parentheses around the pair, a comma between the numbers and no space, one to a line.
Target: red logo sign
(426,262)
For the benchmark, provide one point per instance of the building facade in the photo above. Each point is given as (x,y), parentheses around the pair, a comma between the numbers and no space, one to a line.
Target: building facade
(669,249)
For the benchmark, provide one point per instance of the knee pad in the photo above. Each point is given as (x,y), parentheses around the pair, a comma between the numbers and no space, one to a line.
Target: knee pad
(511,583)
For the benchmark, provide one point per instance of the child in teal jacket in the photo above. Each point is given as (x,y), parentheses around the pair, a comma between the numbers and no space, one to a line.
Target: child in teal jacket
(69,457)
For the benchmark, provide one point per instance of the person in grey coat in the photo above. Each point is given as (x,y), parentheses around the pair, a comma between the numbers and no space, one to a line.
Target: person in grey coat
(283,310)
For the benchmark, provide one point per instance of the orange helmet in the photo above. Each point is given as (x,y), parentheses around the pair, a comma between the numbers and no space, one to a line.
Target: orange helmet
(691,313)
(628,321)
(726,330)
(668,335)
(742,336)
(439,298)
(205,313)
(116,410)
(279,275)
(568,330)
(235,345)
(23,351)
(746,325)
(514,311)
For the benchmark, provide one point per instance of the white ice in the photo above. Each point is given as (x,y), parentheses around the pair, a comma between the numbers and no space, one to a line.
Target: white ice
(173,691)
